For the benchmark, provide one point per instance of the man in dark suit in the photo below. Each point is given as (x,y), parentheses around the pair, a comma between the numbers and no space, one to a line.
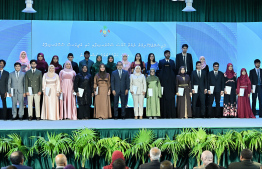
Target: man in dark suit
(216,79)
(255,76)
(184,59)
(246,156)
(199,79)
(155,155)
(4,76)
(17,160)
(120,83)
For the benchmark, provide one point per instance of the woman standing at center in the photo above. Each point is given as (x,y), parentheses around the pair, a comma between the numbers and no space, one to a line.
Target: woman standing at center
(138,62)
(68,104)
(102,105)
(138,91)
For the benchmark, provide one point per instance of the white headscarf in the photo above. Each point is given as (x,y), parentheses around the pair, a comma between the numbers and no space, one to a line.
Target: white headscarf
(135,73)
(51,74)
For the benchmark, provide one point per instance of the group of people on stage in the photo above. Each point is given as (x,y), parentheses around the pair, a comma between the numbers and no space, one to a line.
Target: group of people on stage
(52,88)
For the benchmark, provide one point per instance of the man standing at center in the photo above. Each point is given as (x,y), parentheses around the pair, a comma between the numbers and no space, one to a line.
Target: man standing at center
(184,59)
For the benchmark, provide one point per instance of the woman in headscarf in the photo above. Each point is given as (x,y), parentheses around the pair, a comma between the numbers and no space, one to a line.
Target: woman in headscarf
(230,76)
(55,62)
(243,103)
(67,100)
(50,107)
(183,102)
(204,66)
(84,81)
(41,63)
(127,67)
(138,62)
(116,155)
(25,63)
(95,66)
(102,107)
(138,91)
(153,101)
(151,63)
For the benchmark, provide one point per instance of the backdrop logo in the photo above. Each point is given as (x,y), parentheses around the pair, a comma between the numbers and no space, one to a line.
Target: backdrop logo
(105,31)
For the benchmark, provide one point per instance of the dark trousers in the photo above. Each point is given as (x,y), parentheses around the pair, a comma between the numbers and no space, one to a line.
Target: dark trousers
(258,93)
(201,96)
(217,112)
(123,104)
(4,105)
(83,112)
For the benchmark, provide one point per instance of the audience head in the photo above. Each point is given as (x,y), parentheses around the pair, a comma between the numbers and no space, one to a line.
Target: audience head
(155,154)
(69,166)
(11,167)
(216,66)
(70,57)
(33,63)
(17,158)
(207,157)
(167,54)
(119,65)
(198,65)
(166,165)
(212,166)
(2,63)
(86,54)
(61,160)
(184,48)
(119,164)
(246,154)
(17,66)
(257,63)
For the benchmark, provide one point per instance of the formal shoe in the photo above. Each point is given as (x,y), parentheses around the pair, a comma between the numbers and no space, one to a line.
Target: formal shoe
(13,118)
(115,118)
(150,118)
(155,117)
(21,118)
(123,118)
(38,118)
(30,118)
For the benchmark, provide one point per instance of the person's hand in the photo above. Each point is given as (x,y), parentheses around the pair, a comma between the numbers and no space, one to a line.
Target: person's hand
(57,94)
(222,93)
(95,92)
(27,94)
(114,92)
(132,92)
(238,94)
(39,93)
(77,94)
(248,95)
(10,95)
(144,93)
(5,94)
(24,95)
(193,90)
(190,94)
(126,92)
(209,92)
(251,91)
(92,94)
(108,93)
(44,93)
(177,94)
(205,92)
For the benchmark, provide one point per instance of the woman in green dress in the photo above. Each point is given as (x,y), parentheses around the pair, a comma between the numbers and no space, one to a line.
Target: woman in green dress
(153,95)
(95,67)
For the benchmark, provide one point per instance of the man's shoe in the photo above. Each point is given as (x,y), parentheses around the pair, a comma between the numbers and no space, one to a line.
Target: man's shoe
(30,118)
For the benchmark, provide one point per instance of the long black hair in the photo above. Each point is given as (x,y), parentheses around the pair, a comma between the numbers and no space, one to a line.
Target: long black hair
(149,61)
(140,60)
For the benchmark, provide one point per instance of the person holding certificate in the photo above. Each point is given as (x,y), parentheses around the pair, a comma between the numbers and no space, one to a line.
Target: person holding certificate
(51,90)
(243,91)
(83,86)
(184,98)
(138,91)
(102,106)
(215,89)
(229,108)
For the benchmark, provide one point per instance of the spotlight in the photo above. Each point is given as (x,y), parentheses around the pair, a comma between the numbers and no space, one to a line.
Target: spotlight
(29,8)
(189,7)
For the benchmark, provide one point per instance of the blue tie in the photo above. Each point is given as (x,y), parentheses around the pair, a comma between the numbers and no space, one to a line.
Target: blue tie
(258,75)
(0,74)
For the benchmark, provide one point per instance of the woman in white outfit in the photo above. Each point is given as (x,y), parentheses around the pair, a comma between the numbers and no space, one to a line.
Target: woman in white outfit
(138,91)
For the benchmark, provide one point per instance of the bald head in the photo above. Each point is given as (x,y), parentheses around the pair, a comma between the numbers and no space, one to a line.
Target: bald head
(207,157)
(155,154)
(61,160)
(166,165)
(17,158)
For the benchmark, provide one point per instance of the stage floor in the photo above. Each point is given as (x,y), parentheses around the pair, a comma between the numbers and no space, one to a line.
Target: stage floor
(131,124)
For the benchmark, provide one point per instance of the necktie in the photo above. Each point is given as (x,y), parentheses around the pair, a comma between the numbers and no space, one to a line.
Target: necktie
(198,72)
(184,59)
(120,73)
(216,74)
(0,74)
(33,71)
(258,76)
(17,75)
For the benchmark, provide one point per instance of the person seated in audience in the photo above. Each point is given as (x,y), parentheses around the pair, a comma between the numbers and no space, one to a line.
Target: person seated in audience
(206,158)
(119,164)
(155,155)
(69,166)
(116,155)
(246,162)
(166,165)
(17,160)
(61,161)
(212,166)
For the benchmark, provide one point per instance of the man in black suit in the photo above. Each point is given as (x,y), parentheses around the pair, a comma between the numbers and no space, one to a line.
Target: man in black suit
(4,76)
(17,160)
(120,83)
(216,79)
(167,78)
(184,59)
(255,76)
(155,155)
(199,79)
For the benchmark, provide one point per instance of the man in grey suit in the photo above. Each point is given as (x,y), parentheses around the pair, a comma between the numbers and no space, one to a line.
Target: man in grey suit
(33,79)
(120,83)
(16,83)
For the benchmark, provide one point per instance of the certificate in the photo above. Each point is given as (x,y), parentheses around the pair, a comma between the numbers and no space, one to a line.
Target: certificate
(81,92)
(97,90)
(47,91)
(134,89)
(228,90)
(150,92)
(241,91)
(212,89)
(196,88)
(254,88)
(61,96)
(12,92)
(162,90)
(30,90)
(181,91)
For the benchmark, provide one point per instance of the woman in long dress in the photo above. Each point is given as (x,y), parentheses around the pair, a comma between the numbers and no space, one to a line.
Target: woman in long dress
(68,104)
(153,102)
(230,109)
(84,81)
(138,83)
(243,103)
(50,107)
(102,107)
(55,62)
(183,102)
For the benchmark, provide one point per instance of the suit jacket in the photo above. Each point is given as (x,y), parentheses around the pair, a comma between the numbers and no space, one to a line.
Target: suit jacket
(253,77)
(162,63)
(120,84)
(203,167)
(4,82)
(246,164)
(152,165)
(17,84)
(34,81)
(180,62)
(201,82)
(19,167)
(218,82)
